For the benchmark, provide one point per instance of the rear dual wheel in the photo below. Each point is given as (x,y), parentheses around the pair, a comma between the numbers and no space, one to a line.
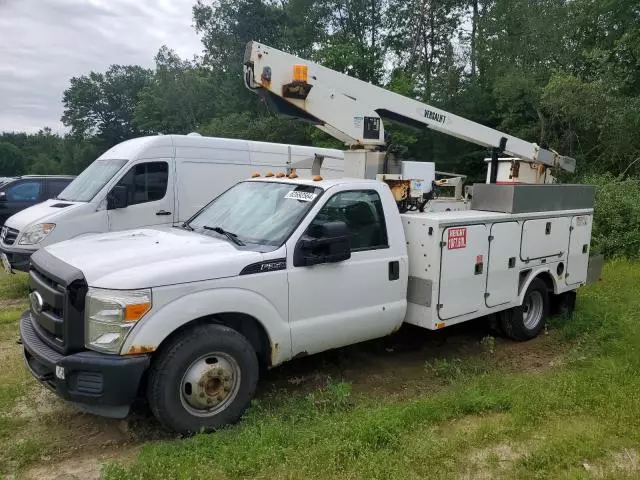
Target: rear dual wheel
(527,321)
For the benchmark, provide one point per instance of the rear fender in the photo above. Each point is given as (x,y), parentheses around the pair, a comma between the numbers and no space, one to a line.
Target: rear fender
(547,272)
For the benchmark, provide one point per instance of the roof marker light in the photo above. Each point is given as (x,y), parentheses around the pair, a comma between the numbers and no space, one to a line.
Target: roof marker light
(300,73)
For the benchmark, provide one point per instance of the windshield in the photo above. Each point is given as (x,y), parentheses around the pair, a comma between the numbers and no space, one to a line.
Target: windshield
(257,212)
(86,185)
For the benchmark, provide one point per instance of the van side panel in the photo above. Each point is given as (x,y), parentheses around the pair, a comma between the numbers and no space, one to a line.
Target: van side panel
(213,150)
(206,167)
(268,155)
(156,151)
(204,172)
(277,157)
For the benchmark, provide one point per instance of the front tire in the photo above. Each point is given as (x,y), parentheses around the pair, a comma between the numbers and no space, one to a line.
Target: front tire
(203,379)
(527,321)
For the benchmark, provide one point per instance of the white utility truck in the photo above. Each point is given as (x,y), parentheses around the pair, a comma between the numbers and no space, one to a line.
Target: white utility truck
(278,267)
(155,180)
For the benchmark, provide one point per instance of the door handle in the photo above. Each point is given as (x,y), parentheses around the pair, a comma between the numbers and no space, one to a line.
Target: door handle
(394,270)
(163,212)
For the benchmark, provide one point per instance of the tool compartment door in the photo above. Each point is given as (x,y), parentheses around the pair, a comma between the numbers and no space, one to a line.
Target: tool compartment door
(462,270)
(578,259)
(544,237)
(502,274)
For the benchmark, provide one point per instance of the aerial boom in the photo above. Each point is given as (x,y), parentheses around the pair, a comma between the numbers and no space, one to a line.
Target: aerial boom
(352,110)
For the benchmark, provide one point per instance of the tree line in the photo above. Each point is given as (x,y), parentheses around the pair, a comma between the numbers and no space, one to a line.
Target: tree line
(562,73)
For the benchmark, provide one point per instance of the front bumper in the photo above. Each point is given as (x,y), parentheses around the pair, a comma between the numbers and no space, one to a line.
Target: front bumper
(18,257)
(102,384)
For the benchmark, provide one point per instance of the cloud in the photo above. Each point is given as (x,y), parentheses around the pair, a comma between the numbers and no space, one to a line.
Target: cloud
(43,43)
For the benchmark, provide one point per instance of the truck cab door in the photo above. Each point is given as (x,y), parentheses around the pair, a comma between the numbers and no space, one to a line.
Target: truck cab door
(144,196)
(342,301)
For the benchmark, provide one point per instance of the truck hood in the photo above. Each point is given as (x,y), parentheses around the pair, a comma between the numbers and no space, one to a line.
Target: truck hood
(151,257)
(43,212)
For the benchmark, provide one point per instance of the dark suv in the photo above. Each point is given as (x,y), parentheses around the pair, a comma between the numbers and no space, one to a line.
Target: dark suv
(22,192)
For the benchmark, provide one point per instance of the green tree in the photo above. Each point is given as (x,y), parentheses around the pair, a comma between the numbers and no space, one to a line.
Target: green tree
(420,38)
(267,128)
(227,25)
(11,160)
(180,97)
(103,104)
(354,39)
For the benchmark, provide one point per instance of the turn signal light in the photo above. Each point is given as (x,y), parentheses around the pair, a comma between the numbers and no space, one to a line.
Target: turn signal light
(136,311)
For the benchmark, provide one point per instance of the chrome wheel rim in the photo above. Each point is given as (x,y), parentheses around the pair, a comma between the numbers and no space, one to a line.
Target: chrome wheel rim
(532,309)
(210,384)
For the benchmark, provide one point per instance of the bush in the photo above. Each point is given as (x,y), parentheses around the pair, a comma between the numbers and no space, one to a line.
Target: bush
(616,230)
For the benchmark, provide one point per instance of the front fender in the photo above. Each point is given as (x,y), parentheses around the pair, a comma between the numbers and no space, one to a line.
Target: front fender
(158,324)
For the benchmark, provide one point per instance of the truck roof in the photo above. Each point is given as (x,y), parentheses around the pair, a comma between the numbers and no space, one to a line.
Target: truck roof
(324,184)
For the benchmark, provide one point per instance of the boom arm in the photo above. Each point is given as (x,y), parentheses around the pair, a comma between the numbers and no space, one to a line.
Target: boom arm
(352,110)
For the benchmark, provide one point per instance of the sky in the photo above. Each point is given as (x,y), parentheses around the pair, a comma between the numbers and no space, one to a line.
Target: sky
(43,43)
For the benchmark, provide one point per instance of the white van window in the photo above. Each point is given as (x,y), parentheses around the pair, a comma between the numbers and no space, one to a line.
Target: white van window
(86,185)
(146,182)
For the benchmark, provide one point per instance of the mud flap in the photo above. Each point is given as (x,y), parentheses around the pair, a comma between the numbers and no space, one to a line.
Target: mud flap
(594,270)
(563,304)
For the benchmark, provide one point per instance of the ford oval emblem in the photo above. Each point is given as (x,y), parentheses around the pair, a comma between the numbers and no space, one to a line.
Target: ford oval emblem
(36,302)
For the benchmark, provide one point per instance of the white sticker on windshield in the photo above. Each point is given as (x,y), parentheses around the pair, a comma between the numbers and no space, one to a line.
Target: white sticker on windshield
(303,196)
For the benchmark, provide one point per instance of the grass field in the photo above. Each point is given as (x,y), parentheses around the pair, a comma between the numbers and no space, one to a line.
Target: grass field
(455,404)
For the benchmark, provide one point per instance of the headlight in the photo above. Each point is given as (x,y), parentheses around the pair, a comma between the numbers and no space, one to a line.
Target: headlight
(36,233)
(111,314)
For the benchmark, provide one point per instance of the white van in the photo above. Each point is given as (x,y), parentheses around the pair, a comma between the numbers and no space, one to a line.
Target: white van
(156,180)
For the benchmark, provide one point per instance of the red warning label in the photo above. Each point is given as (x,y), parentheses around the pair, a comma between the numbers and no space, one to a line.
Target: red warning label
(457,238)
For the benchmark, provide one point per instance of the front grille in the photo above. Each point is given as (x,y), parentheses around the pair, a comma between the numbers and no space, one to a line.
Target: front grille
(58,310)
(9,235)
(29,334)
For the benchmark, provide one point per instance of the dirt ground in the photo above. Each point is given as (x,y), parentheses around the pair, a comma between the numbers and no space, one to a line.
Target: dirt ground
(389,367)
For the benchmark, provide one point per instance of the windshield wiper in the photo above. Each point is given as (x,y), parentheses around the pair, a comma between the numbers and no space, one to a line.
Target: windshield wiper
(185,226)
(231,236)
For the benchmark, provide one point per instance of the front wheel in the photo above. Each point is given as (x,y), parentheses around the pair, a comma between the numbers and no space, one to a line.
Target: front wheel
(527,321)
(203,379)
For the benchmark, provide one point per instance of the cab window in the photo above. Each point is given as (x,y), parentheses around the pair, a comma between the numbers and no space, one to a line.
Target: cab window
(146,182)
(28,191)
(362,212)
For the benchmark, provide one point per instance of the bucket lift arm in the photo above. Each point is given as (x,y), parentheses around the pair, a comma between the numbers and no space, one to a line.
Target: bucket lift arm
(352,110)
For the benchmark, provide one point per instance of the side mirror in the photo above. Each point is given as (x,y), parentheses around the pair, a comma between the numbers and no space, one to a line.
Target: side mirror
(117,197)
(326,243)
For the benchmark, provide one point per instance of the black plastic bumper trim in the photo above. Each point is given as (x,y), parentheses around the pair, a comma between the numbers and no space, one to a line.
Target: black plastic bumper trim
(18,258)
(120,376)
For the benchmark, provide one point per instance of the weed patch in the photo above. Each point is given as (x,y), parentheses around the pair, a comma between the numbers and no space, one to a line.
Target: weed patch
(12,287)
